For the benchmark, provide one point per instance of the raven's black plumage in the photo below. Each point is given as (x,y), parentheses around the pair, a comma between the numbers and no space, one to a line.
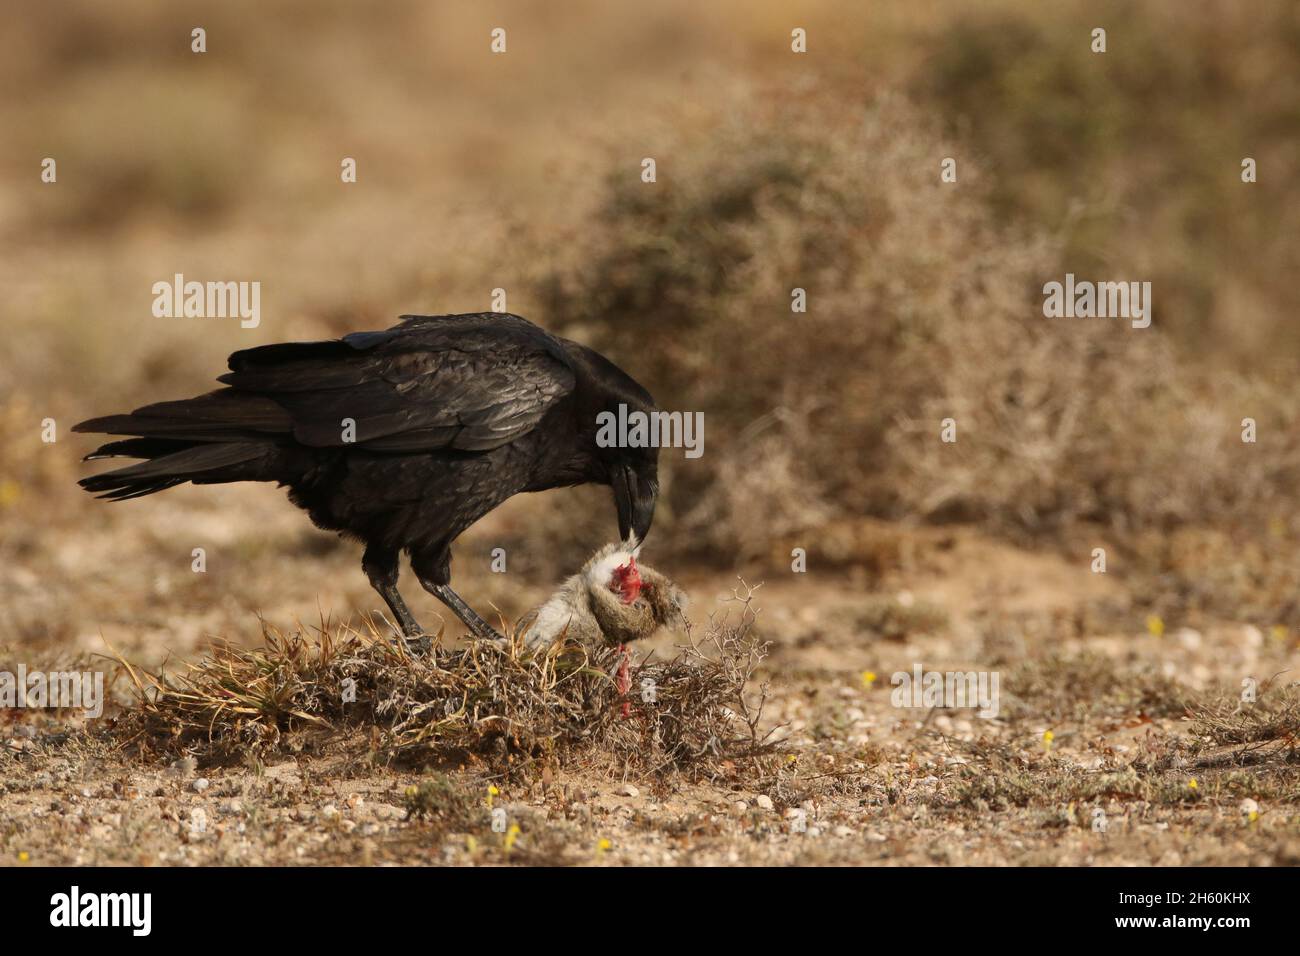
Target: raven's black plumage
(401,438)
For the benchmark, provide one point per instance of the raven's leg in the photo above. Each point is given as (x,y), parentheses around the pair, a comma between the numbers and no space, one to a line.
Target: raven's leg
(380,566)
(478,627)
(435,576)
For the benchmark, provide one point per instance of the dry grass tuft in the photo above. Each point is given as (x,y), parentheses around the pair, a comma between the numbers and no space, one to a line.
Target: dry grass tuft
(1270,723)
(487,703)
(1089,686)
(896,620)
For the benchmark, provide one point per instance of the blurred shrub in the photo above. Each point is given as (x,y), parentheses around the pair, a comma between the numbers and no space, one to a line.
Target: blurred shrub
(1134,155)
(921,306)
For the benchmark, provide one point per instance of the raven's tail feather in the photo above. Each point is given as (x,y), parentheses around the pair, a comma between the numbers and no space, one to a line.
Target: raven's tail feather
(202,464)
(211,439)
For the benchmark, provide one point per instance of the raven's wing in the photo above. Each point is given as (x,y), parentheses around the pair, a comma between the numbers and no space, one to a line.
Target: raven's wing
(467,383)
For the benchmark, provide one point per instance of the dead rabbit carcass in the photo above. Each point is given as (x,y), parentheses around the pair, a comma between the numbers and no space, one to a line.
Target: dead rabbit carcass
(612,600)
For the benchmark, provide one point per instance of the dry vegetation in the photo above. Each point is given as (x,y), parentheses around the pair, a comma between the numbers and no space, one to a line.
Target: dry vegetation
(508,711)
(922,307)
(775,171)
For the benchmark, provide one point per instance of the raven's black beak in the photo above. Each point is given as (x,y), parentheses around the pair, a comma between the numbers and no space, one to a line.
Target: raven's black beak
(635,498)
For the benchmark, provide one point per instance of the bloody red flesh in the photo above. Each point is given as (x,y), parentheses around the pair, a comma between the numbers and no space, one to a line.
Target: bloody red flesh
(626,581)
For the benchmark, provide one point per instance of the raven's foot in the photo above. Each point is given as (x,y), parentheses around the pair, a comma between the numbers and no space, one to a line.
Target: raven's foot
(411,636)
(484,631)
(418,645)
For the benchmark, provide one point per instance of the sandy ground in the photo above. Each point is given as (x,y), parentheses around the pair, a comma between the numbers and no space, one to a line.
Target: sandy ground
(866,782)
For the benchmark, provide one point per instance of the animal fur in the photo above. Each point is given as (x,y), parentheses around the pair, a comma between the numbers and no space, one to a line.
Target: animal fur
(590,608)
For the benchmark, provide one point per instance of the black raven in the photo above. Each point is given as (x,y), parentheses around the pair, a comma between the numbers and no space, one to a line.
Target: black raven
(401,438)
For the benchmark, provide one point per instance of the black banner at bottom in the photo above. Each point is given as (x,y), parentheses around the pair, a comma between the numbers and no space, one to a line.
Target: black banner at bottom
(337,906)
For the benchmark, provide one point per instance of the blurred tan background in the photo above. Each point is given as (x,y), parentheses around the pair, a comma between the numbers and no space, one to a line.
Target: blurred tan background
(775,170)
